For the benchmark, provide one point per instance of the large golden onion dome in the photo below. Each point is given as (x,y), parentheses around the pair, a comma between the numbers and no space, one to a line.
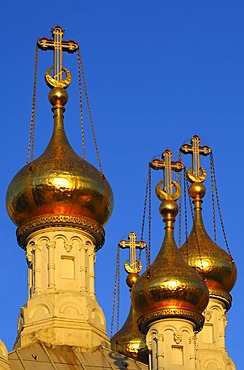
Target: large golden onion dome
(129,341)
(214,264)
(59,186)
(169,287)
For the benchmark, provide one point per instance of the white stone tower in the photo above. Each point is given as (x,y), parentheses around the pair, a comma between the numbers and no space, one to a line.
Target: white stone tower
(60,203)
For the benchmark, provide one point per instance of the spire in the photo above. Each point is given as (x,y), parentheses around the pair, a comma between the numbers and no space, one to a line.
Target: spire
(129,341)
(170,296)
(169,288)
(199,251)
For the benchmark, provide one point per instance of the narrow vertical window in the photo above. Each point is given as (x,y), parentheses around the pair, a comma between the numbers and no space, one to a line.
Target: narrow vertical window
(67,267)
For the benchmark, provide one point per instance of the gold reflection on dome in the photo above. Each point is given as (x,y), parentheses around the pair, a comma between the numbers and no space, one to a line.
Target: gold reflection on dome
(172,284)
(61,183)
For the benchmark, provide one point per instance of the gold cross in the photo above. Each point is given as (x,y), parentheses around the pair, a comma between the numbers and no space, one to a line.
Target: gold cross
(132,265)
(58,46)
(196,173)
(168,166)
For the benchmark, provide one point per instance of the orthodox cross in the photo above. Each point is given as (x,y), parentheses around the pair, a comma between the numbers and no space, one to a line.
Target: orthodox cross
(196,173)
(58,46)
(132,265)
(168,166)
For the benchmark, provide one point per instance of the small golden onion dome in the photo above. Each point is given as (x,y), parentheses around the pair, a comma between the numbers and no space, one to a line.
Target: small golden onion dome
(59,182)
(169,287)
(129,341)
(214,264)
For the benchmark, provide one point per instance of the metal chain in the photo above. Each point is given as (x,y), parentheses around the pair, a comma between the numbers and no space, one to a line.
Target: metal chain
(89,110)
(218,205)
(81,107)
(147,199)
(148,249)
(185,213)
(116,291)
(30,150)
(212,198)
(179,180)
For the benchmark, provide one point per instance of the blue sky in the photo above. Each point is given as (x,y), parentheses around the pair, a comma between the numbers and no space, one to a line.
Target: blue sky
(157,72)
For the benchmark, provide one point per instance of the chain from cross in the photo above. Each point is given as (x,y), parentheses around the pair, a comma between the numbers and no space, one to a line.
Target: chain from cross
(132,265)
(196,173)
(168,166)
(58,46)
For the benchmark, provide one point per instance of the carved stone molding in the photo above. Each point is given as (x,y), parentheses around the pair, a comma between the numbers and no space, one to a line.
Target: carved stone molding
(208,315)
(42,222)
(178,337)
(194,317)
(222,296)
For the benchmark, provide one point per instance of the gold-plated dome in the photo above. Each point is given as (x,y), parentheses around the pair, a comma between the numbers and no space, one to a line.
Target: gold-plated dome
(169,288)
(59,183)
(129,341)
(214,264)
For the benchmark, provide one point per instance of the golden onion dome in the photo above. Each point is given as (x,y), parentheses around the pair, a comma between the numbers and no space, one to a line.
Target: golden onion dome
(129,341)
(59,184)
(214,264)
(169,287)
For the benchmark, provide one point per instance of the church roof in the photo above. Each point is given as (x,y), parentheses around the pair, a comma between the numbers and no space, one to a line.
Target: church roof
(39,356)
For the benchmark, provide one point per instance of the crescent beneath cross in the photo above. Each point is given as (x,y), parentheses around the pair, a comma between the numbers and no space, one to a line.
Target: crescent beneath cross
(192,178)
(162,195)
(136,269)
(52,82)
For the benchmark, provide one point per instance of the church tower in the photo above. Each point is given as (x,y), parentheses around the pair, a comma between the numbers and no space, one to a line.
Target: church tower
(216,267)
(60,203)
(129,340)
(170,296)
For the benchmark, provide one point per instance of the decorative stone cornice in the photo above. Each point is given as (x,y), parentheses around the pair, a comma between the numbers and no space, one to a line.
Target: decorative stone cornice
(194,317)
(222,296)
(42,222)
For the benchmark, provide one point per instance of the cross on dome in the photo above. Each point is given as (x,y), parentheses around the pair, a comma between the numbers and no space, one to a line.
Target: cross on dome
(58,46)
(196,173)
(168,166)
(132,265)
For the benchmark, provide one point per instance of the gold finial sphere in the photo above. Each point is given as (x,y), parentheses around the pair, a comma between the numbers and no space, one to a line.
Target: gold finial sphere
(197,190)
(131,279)
(58,96)
(168,207)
